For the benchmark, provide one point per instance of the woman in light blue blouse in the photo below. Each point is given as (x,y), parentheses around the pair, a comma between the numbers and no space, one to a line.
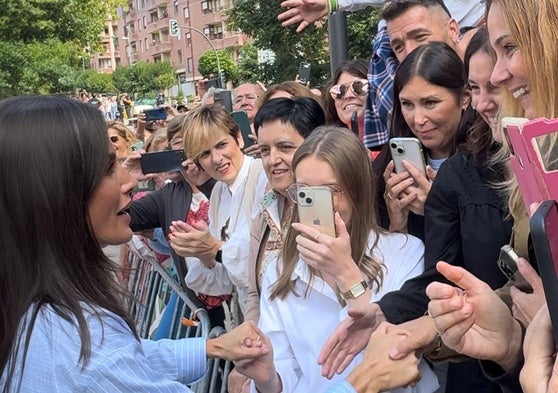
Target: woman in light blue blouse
(63,325)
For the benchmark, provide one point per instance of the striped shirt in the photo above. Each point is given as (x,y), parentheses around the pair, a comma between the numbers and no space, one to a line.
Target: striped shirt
(118,363)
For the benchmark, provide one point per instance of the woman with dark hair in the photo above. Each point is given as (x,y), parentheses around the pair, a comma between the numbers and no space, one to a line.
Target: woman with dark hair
(346,96)
(64,326)
(432,102)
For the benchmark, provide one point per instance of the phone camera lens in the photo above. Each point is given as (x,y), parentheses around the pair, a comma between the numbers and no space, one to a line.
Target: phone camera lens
(301,194)
(393,145)
(400,150)
(309,201)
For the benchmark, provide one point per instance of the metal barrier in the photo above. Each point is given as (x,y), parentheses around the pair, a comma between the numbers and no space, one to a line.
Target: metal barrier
(153,289)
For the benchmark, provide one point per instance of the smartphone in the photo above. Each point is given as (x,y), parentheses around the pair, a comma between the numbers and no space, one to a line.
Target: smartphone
(304,73)
(155,114)
(162,161)
(224,98)
(533,157)
(241,119)
(507,262)
(544,235)
(408,149)
(315,208)
(354,123)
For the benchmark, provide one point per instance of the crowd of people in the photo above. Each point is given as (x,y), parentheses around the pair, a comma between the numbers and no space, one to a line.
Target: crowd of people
(403,293)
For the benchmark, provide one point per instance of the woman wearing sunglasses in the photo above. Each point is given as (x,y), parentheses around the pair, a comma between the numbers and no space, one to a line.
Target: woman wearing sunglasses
(345,101)
(308,288)
(122,139)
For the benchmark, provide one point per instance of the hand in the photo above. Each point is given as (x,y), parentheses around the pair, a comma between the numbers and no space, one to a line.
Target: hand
(241,343)
(132,165)
(397,201)
(261,369)
(420,188)
(194,241)
(540,371)
(254,150)
(330,255)
(377,372)
(303,11)
(525,305)
(349,338)
(193,174)
(418,334)
(475,323)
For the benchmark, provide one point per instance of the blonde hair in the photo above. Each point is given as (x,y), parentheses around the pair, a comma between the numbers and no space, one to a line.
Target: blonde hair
(531,24)
(155,139)
(201,124)
(349,159)
(124,133)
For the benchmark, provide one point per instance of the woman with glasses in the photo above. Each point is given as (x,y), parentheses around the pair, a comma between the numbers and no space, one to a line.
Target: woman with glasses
(212,140)
(345,101)
(307,290)
(432,105)
(122,139)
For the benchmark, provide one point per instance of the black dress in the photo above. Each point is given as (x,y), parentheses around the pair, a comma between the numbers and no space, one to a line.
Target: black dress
(465,225)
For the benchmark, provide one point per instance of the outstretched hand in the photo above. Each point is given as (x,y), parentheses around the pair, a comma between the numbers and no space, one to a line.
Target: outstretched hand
(303,12)
(472,319)
(349,338)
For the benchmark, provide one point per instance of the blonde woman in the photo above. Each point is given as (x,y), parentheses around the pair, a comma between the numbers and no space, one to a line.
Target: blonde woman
(122,139)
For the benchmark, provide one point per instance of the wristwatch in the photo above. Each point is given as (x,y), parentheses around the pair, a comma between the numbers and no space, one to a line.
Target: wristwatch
(355,291)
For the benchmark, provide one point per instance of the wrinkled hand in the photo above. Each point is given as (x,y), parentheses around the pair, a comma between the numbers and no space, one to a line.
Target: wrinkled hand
(241,343)
(304,12)
(377,371)
(540,371)
(417,334)
(193,241)
(254,150)
(261,369)
(193,174)
(330,255)
(526,305)
(475,323)
(349,338)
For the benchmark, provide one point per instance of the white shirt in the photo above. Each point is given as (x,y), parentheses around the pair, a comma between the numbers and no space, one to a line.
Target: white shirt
(298,326)
(118,363)
(234,204)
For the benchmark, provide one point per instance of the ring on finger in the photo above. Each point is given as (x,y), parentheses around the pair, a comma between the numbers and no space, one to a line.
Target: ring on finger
(390,195)
(317,237)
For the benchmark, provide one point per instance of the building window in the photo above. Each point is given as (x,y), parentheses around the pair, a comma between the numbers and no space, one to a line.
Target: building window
(207,31)
(190,64)
(179,52)
(176,7)
(188,39)
(186,13)
(206,6)
(218,32)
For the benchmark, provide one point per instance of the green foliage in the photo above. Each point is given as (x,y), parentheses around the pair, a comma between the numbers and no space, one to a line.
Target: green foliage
(144,78)
(259,20)
(362,26)
(248,67)
(207,64)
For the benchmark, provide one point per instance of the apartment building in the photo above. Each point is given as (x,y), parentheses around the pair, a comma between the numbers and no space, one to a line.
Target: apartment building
(143,31)
(109,59)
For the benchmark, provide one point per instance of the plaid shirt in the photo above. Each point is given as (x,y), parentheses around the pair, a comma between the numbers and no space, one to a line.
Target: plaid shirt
(379,104)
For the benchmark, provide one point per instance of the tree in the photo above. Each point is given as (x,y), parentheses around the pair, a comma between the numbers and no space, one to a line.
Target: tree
(207,64)
(144,78)
(362,26)
(248,67)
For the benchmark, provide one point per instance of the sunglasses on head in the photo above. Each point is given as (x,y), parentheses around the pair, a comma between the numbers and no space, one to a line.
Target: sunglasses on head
(359,87)
(114,139)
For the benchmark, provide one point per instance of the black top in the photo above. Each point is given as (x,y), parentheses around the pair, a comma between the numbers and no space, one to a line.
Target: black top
(465,225)
(159,208)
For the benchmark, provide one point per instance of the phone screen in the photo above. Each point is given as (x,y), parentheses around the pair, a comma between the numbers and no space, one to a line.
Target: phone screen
(241,119)
(162,161)
(304,73)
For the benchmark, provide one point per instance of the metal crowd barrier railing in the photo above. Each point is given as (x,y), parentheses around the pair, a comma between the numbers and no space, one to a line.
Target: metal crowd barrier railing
(153,288)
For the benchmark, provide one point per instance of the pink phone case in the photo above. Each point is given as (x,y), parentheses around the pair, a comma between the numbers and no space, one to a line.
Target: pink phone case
(536,182)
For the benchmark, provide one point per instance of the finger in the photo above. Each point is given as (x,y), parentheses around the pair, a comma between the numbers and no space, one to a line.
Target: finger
(344,364)
(403,348)
(419,176)
(529,274)
(291,3)
(401,186)
(340,227)
(201,225)
(289,14)
(437,290)
(181,226)
(388,171)
(308,231)
(431,173)
(328,347)
(301,27)
(460,276)
(445,306)
(453,335)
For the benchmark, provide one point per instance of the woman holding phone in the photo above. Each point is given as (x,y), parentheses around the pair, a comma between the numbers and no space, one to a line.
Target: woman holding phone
(321,275)
(432,105)
(64,324)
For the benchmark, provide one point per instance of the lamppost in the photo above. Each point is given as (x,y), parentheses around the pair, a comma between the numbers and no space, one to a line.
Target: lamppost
(174,31)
